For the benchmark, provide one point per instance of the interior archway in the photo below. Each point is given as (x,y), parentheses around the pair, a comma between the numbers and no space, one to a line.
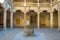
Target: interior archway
(44,19)
(8,18)
(55,18)
(19,18)
(31,16)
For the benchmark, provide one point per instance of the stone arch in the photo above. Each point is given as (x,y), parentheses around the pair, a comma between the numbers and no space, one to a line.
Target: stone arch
(55,18)
(44,19)
(8,18)
(31,16)
(18,18)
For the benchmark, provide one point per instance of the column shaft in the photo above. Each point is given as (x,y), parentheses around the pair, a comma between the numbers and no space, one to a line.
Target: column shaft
(4,21)
(59,16)
(38,20)
(51,20)
(58,21)
(11,20)
(25,18)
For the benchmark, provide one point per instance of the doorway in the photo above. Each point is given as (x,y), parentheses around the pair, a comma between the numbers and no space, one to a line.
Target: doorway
(44,19)
(18,19)
(32,17)
(8,19)
(55,18)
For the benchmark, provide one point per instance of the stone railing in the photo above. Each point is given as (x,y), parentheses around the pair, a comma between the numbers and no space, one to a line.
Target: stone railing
(17,4)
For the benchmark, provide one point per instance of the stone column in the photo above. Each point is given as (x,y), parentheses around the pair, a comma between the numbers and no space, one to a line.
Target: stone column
(58,20)
(25,13)
(4,21)
(51,15)
(11,20)
(38,14)
(25,19)
(58,16)
(51,19)
(38,20)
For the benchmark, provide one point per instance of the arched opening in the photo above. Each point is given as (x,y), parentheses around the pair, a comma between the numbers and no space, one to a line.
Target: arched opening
(44,19)
(31,16)
(18,18)
(55,18)
(8,18)
(1,15)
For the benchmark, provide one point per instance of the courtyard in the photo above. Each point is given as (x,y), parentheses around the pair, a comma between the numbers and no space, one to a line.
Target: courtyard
(39,34)
(40,19)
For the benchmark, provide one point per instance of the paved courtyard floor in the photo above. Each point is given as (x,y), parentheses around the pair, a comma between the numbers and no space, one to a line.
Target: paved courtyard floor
(40,34)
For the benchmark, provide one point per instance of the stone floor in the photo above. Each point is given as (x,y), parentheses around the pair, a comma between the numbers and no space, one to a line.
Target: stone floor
(40,34)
